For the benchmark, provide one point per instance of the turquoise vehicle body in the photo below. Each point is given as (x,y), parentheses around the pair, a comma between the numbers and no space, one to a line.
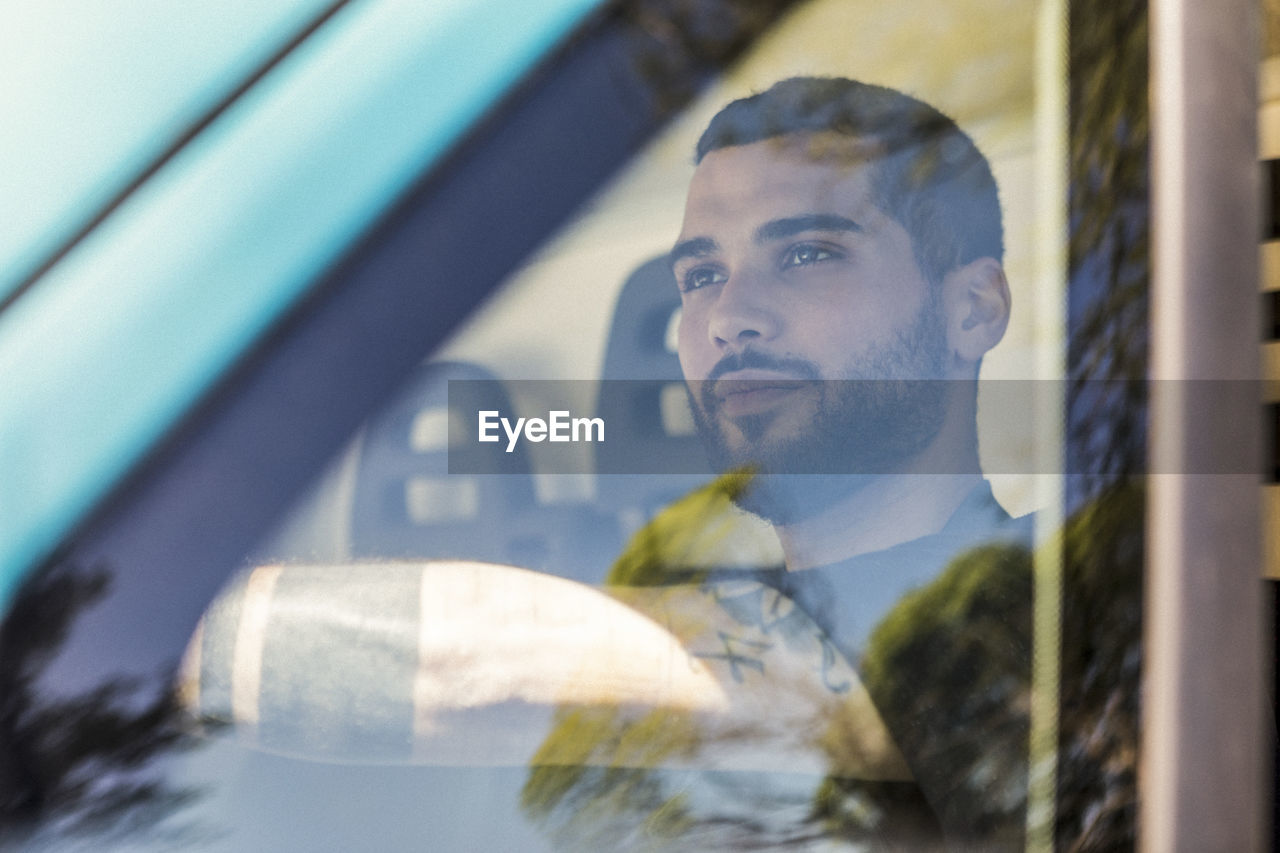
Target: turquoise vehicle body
(187,187)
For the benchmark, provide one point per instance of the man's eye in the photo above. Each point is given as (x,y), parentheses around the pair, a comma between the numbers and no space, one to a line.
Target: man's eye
(802,256)
(701,277)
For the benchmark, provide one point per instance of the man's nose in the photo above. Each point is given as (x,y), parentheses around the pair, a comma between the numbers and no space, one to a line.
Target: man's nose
(745,311)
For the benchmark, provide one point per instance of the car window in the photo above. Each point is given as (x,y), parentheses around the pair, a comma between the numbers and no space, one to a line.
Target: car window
(523,608)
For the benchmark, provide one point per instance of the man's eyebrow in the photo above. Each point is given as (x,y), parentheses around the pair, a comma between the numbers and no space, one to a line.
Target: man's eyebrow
(792,225)
(696,248)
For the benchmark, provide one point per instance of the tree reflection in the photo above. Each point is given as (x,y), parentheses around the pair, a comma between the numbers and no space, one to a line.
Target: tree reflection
(83,764)
(1109,262)
(592,785)
(1109,246)
(1101,663)
(949,668)
(619,778)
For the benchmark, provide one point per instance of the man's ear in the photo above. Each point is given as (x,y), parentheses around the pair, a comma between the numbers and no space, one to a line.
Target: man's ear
(976,302)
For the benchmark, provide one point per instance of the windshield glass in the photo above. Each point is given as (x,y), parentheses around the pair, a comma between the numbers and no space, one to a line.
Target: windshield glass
(736,518)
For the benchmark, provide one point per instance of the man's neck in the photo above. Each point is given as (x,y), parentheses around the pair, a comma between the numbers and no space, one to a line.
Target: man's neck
(886,511)
(894,508)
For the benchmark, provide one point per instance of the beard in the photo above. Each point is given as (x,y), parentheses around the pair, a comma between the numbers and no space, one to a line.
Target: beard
(834,435)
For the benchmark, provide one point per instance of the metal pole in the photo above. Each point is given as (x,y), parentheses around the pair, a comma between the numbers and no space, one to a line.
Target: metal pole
(1203,752)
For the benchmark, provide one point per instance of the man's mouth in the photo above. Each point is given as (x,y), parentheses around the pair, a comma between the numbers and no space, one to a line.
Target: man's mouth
(749,392)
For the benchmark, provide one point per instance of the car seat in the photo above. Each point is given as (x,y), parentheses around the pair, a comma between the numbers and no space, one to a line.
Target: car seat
(406,504)
(653,456)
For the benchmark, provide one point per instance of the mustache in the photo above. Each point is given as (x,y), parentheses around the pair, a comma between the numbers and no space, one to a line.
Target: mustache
(750,359)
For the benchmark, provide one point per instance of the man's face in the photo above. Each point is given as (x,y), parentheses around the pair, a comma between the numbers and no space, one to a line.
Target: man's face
(796,290)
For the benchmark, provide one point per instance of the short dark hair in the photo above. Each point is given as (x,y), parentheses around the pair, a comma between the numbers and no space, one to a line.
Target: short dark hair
(927,174)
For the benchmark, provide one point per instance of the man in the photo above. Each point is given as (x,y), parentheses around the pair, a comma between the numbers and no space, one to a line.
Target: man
(839,266)
(840,271)
(840,274)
